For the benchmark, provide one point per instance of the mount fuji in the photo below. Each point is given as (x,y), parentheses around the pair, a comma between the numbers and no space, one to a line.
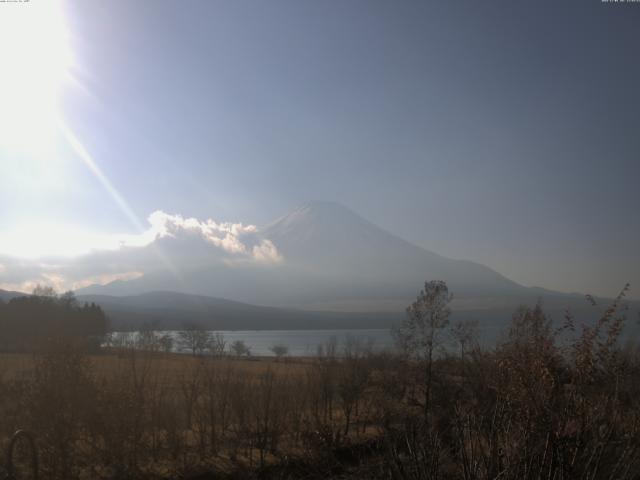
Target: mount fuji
(332,259)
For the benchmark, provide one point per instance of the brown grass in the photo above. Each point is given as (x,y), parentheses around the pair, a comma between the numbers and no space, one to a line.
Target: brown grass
(541,404)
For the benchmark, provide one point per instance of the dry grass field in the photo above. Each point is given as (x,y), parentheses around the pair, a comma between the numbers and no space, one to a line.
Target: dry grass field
(537,405)
(164,415)
(172,365)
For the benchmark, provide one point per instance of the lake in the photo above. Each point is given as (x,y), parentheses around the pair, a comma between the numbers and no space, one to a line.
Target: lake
(305,343)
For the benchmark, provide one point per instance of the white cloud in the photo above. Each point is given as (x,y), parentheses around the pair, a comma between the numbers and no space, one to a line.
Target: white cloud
(54,280)
(222,235)
(266,252)
(72,260)
(226,236)
(26,287)
(104,279)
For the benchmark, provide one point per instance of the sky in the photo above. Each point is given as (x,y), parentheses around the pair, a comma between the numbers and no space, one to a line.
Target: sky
(507,133)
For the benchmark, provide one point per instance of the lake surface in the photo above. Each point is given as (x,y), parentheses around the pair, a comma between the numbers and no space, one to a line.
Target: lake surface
(305,343)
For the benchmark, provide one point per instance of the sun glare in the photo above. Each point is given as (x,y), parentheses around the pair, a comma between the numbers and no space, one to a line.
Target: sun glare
(40,239)
(36,59)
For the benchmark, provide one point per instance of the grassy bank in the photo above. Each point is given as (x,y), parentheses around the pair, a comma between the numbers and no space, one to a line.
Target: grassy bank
(538,405)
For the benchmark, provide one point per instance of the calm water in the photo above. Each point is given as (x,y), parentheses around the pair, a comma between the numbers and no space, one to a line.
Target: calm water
(303,343)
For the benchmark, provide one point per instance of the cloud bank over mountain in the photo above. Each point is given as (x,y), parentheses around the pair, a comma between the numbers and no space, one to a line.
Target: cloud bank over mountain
(235,239)
(320,256)
(172,242)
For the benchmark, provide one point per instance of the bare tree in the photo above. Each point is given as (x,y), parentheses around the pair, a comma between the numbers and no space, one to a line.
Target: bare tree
(44,291)
(421,332)
(353,376)
(239,348)
(465,333)
(194,338)
(147,339)
(121,340)
(279,350)
(166,343)
(328,350)
(217,344)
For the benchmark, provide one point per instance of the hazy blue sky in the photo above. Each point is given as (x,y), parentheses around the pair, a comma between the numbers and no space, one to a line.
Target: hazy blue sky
(503,132)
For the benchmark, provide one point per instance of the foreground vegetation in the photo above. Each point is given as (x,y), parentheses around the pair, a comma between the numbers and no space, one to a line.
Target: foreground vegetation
(25,322)
(552,402)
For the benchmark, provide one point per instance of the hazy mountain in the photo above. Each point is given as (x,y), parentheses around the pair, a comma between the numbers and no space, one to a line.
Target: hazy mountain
(171,310)
(174,311)
(328,238)
(332,259)
(330,256)
(6,295)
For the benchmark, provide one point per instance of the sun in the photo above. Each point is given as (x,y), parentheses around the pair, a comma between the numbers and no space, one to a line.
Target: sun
(36,60)
(38,147)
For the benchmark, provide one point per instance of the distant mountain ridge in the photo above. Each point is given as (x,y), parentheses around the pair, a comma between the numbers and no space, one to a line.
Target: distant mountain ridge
(330,254)
(161,310)
(174,311)
(336,266)
(328,236)
(338,270)
(6,295)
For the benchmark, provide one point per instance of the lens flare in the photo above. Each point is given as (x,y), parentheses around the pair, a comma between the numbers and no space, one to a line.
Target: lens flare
(36,61)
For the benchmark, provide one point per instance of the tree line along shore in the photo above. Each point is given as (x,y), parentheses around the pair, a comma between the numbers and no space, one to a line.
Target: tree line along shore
(546,401)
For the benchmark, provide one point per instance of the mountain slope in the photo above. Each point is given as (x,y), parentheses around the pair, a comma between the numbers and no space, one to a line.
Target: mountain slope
(331,259)
(329,238)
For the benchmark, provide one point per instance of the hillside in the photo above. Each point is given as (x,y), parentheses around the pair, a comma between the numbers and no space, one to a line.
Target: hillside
(330,256)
